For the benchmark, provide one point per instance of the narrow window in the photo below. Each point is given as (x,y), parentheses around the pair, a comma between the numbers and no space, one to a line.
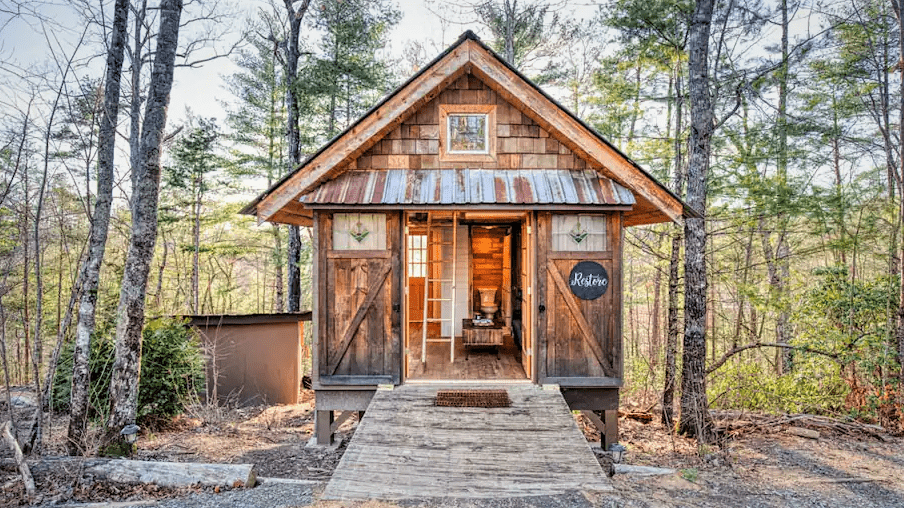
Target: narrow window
(417,255)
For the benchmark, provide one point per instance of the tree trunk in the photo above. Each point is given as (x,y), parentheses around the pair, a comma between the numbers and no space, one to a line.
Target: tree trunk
(97,242)
(196,244)
(137,62)
(695,419)
(294,142)
(126,368)
(280,289)
(671,348)
(782,250)
(899,329)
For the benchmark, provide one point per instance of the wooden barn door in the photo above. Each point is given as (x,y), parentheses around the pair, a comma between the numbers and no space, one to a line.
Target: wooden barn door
(579,337)
(360,299)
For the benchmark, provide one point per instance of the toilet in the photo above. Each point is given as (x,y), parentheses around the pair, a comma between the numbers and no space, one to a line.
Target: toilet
(488,301)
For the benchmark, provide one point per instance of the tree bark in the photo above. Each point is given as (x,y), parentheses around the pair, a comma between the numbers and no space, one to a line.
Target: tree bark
(671,349)
(27,479)
(97,242)
(137,61)
(292,136)
(782,249)
(695,419)
(130,314)
(899,328)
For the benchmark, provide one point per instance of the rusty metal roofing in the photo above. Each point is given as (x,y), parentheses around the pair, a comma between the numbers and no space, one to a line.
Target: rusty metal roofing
(470,187)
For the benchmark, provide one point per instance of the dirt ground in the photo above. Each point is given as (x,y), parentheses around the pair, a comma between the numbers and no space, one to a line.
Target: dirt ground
(758,467)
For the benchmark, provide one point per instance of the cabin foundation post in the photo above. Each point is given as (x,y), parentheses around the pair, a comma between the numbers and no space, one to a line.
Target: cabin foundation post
(323,427)
(609,432)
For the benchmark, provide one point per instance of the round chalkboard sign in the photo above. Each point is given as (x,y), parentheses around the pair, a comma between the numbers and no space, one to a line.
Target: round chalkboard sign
(588,280)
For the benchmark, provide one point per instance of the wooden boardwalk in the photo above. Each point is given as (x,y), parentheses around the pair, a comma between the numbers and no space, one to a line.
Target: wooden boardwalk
(405,448)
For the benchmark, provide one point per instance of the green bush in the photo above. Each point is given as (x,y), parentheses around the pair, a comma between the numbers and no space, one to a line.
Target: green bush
(172,371)
(815,386)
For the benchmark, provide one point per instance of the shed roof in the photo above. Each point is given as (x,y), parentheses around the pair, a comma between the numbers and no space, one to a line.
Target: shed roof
(285,201)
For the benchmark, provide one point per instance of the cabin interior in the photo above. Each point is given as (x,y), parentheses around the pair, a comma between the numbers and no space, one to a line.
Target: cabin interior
(467,302)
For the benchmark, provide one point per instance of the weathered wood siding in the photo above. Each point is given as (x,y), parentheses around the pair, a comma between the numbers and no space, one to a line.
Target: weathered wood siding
(519,142)
(359,332)
(579,338)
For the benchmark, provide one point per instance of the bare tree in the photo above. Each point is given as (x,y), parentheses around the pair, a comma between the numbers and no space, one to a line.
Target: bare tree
(124,385)
(695,419)
(292,54)
(898,7)
(100,224)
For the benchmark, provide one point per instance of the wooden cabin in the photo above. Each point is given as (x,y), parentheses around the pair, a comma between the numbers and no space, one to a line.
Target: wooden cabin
(467,228)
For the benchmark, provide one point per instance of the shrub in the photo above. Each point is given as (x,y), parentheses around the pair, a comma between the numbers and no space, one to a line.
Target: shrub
(172,371)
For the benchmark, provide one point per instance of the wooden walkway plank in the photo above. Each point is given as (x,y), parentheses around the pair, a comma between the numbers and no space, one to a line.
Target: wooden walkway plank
(405,448)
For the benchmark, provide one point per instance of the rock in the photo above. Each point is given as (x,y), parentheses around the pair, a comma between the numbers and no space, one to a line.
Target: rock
(802,432)
(22,401)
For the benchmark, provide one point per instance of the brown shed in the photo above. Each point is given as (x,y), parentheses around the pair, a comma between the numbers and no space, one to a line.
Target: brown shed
(254,358)
(468,227)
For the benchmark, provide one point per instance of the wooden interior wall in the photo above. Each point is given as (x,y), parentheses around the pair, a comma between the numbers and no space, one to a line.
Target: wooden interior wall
(487,262)
(520,142)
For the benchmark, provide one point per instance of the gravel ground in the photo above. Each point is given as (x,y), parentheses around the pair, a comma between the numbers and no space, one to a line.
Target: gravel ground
(268,494)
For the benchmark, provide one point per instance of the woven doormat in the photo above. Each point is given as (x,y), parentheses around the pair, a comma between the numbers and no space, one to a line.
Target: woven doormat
(473,398)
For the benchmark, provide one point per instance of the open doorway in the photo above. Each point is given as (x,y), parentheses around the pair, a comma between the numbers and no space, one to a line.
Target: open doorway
(466,289)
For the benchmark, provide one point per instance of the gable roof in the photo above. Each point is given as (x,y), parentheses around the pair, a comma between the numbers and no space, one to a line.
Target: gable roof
(283,201)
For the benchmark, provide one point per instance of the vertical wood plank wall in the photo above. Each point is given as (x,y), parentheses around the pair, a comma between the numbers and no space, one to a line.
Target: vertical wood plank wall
(565,352)
(345,281)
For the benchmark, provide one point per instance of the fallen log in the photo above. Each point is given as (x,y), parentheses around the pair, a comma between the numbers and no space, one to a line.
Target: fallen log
(165,474)
(24,470)
(643,470)
(641,416)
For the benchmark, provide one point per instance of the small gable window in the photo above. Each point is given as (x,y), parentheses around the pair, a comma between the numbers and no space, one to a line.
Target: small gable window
(468,132)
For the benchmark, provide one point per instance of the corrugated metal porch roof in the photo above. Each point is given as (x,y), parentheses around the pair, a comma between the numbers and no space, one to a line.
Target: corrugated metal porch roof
(470,187)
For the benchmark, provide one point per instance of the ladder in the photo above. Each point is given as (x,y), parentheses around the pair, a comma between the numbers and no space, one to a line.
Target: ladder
(435,270)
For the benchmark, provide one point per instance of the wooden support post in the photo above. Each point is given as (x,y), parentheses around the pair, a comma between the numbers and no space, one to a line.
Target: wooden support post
(607,425)
(609,432)
(323,427)
(337,422)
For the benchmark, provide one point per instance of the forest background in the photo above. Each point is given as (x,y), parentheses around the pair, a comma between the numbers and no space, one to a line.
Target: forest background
(803,193)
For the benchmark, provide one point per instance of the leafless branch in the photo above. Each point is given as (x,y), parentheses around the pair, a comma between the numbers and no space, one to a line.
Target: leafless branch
(754,345)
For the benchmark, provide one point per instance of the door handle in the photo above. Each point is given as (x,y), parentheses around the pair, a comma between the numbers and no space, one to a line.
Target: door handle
(542,308)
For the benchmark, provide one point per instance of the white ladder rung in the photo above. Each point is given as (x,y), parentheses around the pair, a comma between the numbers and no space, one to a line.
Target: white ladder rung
(439,340)
(437,320)
(439,299)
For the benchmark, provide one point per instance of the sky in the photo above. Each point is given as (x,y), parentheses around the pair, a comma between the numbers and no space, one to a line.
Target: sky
(203,90)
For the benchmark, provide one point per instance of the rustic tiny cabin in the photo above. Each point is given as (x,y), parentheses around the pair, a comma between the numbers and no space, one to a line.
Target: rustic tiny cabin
(467,228)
